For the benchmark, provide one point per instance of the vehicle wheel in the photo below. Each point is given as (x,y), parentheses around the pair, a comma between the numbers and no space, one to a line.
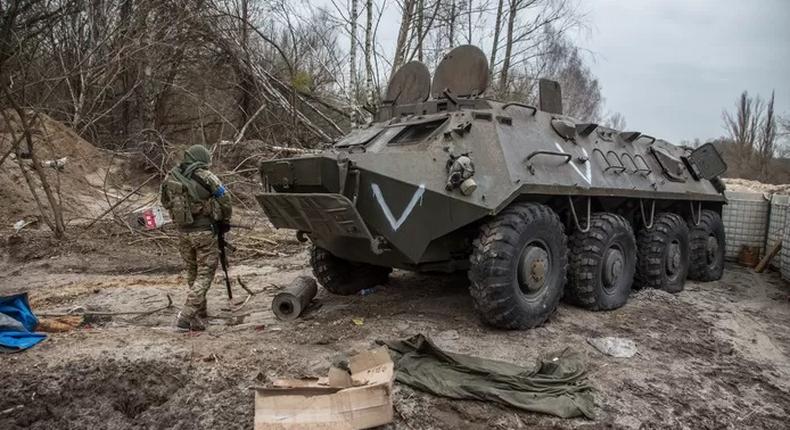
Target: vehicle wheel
(663,254)
(602,263)
(518,266)
(706,242)
(343,277)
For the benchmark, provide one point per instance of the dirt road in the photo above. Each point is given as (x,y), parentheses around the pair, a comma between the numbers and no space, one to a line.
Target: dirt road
(716,355)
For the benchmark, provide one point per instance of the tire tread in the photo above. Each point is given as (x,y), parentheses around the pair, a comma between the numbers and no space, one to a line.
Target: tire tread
(698,237)
(341,277)
(490,265)
(650,247)
(586,251)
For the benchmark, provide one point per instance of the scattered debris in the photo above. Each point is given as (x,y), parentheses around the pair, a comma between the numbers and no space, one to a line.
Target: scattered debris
(615,346)
(360,397)
(367,291)
(81,311)
(11,409)
(154,217)
(252,246)
(244,287)
(652,294)
(58,164)
(121,200)
(289,304)
(749,256)
(448,335)
(358,321)
(59,324)
(19,225)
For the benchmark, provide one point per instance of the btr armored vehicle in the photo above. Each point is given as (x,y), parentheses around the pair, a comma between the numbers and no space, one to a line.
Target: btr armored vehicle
(533,204)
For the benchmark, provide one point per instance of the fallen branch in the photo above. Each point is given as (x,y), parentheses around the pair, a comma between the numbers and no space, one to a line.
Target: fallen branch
(263,239)
(164,237)
(257,251)
(237,172)
(277,148)
(115,205)
(11,409)
(139,314)
(241,305)
(240,134)
(767,259)
(302,99)
(244,286)
(2,160)
(295,150)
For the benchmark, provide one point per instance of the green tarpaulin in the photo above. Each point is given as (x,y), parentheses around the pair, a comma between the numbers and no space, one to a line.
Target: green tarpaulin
(556,386)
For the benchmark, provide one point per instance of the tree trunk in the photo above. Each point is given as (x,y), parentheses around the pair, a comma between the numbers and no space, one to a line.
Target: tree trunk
(127,76)
(148,105)
(469,22)
(352,82)
(768,136)
(426,27)
(403,34)
(246,81)
(503,74)
(497,30)
(420,23)
(57,225)
(451,25)
(370,94)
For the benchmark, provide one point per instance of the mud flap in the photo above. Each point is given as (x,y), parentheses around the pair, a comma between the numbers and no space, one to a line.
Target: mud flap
(321,215)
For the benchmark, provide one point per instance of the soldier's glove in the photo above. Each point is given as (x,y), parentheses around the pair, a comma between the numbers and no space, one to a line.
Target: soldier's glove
(222,227)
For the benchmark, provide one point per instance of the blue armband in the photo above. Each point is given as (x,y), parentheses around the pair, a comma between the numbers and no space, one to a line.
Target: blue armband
(220,192)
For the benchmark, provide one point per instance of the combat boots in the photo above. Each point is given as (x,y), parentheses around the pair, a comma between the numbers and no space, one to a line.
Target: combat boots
(202,311)
(186,323)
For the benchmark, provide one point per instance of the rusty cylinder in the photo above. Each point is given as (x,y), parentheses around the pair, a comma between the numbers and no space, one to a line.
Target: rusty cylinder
(290,303)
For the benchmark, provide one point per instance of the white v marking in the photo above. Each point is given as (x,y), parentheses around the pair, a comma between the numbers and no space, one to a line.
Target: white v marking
(396,223)
(588,176)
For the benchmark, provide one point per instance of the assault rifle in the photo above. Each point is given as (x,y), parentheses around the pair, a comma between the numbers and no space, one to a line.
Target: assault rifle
(220,229)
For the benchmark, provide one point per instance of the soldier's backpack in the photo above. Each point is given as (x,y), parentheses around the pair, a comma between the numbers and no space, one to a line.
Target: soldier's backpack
(179,203)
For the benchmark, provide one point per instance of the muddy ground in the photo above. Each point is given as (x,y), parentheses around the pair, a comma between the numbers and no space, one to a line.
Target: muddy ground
(716,355)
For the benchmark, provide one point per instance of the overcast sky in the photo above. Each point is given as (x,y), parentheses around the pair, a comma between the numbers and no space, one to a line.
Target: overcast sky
(671,66)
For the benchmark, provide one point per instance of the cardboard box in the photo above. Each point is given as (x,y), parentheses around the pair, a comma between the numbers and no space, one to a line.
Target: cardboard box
(361,398)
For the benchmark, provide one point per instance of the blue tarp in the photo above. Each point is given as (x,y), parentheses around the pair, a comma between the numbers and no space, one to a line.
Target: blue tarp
(17,323)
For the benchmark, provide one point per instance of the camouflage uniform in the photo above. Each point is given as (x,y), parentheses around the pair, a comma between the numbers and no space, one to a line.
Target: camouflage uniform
(197,242)
(199,252)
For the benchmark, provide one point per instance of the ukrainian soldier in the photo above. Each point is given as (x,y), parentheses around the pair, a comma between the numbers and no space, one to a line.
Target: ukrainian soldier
(200,207)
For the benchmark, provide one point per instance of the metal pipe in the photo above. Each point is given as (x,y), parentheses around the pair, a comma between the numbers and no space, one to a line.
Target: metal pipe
(288,305)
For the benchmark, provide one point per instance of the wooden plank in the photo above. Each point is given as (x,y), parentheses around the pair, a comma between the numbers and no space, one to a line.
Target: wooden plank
(767,259)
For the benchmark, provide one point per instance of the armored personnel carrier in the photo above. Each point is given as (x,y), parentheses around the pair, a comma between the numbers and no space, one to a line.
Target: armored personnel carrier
(533,204)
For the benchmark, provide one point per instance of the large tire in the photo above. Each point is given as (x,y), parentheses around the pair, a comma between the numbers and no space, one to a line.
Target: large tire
(343,277)
(706,241)
(663,254)
(518,266)
(602,263)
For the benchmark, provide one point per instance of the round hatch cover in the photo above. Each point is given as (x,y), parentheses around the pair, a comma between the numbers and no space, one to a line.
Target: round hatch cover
(463,71)
(410,84)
